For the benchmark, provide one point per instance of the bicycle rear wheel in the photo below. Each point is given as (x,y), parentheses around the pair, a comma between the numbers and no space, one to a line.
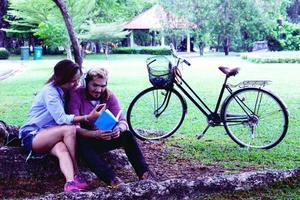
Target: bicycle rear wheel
(255,118)
(156,113)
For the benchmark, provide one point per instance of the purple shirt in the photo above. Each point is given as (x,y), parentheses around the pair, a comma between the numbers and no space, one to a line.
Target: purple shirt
(79,104)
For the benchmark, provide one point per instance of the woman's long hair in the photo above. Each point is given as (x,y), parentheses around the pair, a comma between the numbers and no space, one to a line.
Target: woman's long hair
(64,71)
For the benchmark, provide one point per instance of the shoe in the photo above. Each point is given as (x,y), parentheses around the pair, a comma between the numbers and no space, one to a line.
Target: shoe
(116,182)
(71,186)
(80,182)
(148,175)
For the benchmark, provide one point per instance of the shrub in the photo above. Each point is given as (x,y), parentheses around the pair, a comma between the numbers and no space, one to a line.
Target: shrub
(273,57)
(285,37)
(142,50)
(4,54)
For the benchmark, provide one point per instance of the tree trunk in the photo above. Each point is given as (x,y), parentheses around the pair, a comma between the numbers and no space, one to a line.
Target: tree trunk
(13,157)
(13,164)
(98,48)
(226,46)
(73,38)
(3,24)
(185,189)
(201,49)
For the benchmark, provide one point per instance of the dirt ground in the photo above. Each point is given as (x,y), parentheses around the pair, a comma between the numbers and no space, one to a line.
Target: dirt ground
(163,160)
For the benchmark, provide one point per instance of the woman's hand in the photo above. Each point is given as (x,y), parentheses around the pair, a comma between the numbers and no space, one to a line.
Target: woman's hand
(96,112)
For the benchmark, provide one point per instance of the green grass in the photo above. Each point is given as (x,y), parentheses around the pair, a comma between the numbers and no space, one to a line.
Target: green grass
(128,76)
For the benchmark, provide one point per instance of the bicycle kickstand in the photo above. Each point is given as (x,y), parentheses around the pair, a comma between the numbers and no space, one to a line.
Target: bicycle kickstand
(200,135)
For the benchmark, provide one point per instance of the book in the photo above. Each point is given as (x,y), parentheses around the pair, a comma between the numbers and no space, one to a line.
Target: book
(107,121)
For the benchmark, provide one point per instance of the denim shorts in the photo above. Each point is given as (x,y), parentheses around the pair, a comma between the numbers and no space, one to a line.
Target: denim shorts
(26,143)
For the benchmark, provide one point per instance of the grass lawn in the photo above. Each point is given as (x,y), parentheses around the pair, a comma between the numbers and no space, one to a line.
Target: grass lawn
(128,76)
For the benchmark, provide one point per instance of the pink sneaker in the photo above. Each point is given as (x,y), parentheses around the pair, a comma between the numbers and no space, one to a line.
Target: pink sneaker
(71,186)
(80,182)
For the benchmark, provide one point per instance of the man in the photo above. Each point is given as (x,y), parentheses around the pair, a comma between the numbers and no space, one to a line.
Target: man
(93,142)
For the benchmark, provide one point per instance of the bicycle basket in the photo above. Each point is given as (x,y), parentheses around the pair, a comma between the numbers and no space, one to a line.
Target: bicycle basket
(159,71)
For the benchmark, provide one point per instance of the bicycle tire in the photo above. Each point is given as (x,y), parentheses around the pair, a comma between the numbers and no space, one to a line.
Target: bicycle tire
(148,123)
(255,109)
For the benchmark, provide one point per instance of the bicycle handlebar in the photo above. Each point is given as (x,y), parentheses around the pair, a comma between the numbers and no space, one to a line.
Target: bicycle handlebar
(173,52)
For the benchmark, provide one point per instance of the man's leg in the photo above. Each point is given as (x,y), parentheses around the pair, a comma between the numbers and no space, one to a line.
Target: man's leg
(133,152)
(89,150)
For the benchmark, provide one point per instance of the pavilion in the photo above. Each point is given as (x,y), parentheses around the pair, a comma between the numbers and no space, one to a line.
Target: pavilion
(157,18)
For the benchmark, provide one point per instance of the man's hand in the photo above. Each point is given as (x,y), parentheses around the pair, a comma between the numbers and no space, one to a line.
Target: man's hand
(105,135)
(116,132)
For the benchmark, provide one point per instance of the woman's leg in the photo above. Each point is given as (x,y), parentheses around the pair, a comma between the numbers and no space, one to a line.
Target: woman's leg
(46,139)
(65,161)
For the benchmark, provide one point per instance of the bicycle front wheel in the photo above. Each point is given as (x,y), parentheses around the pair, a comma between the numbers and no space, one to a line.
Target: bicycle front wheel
(156,113)
(255,118)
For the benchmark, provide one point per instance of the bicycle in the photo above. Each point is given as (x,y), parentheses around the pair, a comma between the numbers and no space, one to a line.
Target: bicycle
(158,111)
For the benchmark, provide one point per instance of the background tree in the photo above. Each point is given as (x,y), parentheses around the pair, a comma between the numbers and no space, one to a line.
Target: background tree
(3,8)
(120,10)
(294,11)
(44,19)
(104,32)
(69,24)
(232,24)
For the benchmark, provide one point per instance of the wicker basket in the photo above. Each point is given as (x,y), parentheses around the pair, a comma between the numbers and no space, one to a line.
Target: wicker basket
(159,71)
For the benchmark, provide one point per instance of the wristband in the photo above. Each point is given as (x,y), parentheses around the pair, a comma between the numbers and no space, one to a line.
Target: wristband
(85,117)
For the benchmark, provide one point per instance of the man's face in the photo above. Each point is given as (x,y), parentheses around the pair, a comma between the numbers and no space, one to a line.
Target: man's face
(96,87)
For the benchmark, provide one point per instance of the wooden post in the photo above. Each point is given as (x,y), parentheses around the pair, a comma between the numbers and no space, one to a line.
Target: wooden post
(131,39)
(188,42)
(162,39)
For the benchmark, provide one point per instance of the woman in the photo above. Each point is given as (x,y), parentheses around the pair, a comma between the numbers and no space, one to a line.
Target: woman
(93,142)
(50,130)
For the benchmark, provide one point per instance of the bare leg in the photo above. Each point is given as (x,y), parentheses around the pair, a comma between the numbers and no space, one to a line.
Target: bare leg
(47,138)
(65,161)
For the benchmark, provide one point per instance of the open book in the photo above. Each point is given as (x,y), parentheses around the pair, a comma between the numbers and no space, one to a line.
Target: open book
(107,121)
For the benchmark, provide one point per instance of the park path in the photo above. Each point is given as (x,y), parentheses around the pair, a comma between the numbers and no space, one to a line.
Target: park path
(9,68)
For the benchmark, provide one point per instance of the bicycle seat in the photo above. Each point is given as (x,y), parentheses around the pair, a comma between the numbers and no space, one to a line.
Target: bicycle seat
(229,72)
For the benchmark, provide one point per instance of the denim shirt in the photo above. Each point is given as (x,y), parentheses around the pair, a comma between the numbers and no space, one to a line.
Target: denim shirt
(47,111)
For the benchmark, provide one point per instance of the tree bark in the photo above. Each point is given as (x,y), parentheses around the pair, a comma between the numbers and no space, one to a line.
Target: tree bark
(73,38)
(184,189)
(13,165)
(226,46)
(3,24)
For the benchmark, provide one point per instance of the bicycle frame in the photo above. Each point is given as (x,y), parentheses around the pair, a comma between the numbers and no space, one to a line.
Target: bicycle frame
(201,105)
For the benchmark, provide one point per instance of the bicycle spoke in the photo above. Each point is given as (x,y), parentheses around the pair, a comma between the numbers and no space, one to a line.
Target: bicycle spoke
(270,114)
(155,113)
(262,127)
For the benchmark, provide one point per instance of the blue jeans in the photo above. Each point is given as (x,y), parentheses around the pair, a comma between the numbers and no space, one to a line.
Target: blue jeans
(91,149)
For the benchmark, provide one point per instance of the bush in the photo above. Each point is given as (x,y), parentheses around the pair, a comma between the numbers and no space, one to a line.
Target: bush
(4,54)
(273,57)
(142,50)
(285,37)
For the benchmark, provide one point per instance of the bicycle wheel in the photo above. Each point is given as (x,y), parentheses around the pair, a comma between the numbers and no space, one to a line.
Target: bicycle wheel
(156,113)
(255,118)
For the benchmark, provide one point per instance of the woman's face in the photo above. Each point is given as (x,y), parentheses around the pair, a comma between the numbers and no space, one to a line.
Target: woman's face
(72,84)
(96,87)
